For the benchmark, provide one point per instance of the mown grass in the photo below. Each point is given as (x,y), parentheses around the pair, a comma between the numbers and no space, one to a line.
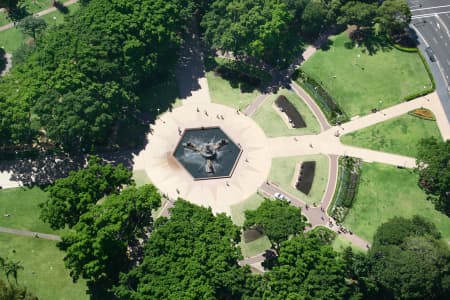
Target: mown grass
(44,273)
(359,80)
(386,191)
(400,135)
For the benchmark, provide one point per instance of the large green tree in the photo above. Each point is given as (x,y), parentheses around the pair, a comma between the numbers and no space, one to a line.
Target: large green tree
(304,269)
(109,237)
(360,14)
(433,161)
(32,26)
(393,16)
(191,255)
(277,219)
(409,261)
(71,197)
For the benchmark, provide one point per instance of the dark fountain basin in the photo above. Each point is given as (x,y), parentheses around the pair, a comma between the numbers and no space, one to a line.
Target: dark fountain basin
(207,153)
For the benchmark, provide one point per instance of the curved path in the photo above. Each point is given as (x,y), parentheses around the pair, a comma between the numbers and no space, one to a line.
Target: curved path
(39,14)
(40,235)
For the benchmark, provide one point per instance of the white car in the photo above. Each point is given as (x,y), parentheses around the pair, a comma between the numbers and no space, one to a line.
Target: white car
(280,196)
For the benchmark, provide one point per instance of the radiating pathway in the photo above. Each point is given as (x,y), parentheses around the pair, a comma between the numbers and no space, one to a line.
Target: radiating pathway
(34,234)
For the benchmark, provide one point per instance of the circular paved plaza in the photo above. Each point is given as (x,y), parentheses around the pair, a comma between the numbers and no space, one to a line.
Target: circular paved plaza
(165,172)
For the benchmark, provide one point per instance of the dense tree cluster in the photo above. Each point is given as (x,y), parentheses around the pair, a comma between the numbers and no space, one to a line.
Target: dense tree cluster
(304,269)
(109,237)
(276,219)
(71,197)
(191,255)
(433,162)
(83,76)
(409,261)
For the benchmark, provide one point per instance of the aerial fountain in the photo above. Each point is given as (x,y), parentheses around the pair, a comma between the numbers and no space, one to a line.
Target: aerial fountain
(207,153)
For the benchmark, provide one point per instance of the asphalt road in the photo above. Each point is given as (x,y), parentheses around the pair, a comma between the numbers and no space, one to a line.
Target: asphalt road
(431,20)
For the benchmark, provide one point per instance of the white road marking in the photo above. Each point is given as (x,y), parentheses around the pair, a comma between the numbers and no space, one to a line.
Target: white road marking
(429,15)
(430,7)
(443,25)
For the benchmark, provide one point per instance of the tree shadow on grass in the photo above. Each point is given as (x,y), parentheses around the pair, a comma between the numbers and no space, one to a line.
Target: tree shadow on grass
(370,40)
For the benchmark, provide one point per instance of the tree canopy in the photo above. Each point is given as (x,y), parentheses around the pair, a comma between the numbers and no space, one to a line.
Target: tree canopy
(304,269)
(277,219)
(191,255)
(71,197)
(409,261)
(109,237)
(433,160)
(83,77)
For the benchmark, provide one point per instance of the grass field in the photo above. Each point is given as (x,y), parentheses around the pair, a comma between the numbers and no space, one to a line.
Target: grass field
(400,135)
(255,247)
(44,273)
(12,39)
(385,192)
(283,170)
(22,206)
(223,92)
(273,125)
(340,243)
(358,81)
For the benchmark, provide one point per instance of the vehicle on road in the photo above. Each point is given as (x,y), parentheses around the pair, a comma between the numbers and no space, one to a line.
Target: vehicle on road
(281,197)
(430,54)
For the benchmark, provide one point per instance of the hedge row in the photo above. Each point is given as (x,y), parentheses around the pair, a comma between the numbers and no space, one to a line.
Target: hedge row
(405,49)
(327,104)
(349,174)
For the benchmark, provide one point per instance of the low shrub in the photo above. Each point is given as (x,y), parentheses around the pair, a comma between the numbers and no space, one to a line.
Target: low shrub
(349,174)
(423,113)
(405,49)
(327,104)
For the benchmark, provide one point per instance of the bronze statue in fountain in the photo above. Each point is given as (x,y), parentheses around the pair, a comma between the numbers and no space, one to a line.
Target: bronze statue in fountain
(208,151)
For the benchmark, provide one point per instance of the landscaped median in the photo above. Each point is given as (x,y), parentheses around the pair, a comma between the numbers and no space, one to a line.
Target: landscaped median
(359,81)
(270,118)
(286,170)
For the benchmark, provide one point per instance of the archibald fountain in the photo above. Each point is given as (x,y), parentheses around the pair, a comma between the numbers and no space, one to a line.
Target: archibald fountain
(207,153)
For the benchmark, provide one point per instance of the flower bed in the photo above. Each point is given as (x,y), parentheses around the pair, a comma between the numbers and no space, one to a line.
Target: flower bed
(423,113)
(295,119)
(306,177)
(349,173)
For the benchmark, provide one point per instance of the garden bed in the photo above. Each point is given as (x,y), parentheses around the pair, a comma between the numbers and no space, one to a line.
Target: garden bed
(252,234)
(294,117)
(306,177)
(349,174)
(423,113)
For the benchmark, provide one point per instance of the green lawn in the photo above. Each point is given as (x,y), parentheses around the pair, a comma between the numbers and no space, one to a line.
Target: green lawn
(223,92)
(385,192)
(340,243)
(358,81)
(273,125)
(399,135)
(255,247)
(44,273)
(140,177)
(12,39)
(22,206)
(283,169)
(238,210)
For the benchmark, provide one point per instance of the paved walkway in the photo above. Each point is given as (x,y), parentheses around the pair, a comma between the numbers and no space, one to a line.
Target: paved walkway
(39,14)
(40,235)
(253,107)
